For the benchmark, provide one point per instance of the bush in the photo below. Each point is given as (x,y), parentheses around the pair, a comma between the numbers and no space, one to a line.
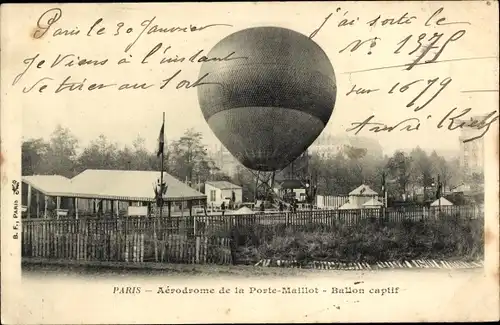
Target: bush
(368,241)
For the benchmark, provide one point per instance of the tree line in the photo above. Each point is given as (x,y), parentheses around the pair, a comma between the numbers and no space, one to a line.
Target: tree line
(187,159)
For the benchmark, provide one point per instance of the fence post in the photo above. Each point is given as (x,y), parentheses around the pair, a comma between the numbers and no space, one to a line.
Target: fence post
(155,239)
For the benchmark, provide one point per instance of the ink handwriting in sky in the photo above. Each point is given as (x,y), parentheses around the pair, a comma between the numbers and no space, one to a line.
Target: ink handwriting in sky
(421,48)
(434,39)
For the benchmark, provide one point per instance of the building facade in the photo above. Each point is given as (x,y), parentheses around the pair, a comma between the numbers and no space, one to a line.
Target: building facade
(224,160)
(104,193)
(330,145)
(471,152)
(291,189)
(222,191)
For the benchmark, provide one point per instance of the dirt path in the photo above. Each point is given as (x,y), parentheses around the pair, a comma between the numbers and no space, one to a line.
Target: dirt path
(186,270)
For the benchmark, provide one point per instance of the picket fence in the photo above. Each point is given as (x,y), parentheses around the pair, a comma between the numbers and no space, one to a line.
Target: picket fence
(125,240)
(196,239)
(331,219)
(329,201)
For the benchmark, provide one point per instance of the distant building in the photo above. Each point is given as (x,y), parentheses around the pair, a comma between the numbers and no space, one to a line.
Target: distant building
(472,152)
(222,191)
(291,188)
(224,160)
(331,145)
(327,145)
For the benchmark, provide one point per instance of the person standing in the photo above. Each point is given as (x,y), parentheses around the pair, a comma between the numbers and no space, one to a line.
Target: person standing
(223,207)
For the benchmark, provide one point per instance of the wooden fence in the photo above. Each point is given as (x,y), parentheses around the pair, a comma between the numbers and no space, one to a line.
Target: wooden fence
(329,201)
(331,218)
(122,240)
(196,239)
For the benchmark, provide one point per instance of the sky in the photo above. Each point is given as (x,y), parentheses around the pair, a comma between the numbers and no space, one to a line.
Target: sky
(123,115)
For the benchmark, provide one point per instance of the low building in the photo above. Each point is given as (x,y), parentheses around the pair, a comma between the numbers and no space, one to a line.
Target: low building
(291,189)
(373,203)
(362,194)
(104,192)
(441,202)
(43,193)
(359,196)
(223,191)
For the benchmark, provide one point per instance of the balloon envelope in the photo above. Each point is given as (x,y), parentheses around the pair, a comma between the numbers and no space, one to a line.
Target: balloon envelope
(271,98)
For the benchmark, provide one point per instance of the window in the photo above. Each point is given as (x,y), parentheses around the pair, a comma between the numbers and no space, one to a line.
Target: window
(212,195)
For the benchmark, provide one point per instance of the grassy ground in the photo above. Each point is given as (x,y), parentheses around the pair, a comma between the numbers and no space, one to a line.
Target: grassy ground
(368,242)
(110,269)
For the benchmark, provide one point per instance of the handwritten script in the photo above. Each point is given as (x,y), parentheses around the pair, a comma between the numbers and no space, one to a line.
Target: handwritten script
(146,44)
(160,54)
(440,34)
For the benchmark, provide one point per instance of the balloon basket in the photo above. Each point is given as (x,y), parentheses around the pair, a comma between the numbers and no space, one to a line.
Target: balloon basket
(264,183)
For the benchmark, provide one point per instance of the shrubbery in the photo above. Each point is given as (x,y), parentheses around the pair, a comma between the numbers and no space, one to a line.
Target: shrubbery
(365,242)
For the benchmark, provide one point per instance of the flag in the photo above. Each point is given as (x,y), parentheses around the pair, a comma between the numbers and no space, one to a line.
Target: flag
(158,196)
(155,189)
(161,140)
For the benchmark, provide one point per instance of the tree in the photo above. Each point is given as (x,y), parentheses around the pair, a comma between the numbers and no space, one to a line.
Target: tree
(34,156)
(124,157)
(102,154)
(189,159)
(477,181)
(399,167)
(138,157)
(334,175)
(373,168)
(216,174)
(61,156)
(298,169)
(355,153)
(355,156)
(246,179)
(421,170)
(341,173)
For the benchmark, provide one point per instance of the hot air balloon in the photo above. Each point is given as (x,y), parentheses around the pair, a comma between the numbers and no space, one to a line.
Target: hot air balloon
(270,99)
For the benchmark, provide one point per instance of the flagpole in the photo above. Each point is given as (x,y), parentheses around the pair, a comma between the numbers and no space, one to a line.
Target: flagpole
(384,194)
(439,193)
(161,168)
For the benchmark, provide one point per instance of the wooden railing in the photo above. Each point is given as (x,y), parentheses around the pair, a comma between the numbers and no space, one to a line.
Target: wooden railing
(346,216)
(122,240)
(196,239)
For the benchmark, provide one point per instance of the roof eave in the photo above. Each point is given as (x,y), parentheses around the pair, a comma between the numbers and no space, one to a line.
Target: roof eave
(125,198)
